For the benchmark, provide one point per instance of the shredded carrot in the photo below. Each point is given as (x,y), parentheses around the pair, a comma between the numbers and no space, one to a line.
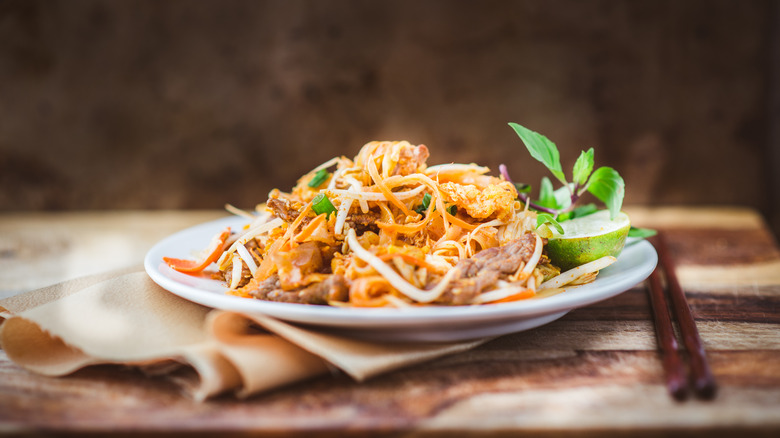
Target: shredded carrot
(428,182)
(441,248)
(372,170)
(404,229)
(459,222)
(386,211)
(295,224)
(522,295)
(254,283)
(309,229)
(213,252)
(369,292)
(407,258)
(267,266)
(243,292)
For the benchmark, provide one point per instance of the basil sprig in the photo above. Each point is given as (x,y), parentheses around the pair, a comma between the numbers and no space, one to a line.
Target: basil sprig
(605,183)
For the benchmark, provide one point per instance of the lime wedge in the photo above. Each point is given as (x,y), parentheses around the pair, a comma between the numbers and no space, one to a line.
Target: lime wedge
(587,238)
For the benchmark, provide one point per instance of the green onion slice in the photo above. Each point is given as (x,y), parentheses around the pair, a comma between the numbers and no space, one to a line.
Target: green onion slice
(321,204)
(320,177)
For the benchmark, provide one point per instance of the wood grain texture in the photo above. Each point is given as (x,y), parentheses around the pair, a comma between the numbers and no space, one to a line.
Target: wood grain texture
(179,105)
(39,249)
(594,372)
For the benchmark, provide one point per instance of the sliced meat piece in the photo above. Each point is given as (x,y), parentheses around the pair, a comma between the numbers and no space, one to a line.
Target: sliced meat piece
(506,259)
(334,288)
(486,267)
(363,222)
(283,208)
(265,287)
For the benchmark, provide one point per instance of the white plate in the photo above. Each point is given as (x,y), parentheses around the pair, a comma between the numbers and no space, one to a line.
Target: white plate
(430,323)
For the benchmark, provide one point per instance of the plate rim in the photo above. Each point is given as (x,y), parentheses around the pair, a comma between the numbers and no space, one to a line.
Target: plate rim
(384,318)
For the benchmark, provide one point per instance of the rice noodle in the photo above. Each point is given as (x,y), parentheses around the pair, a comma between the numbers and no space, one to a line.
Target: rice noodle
(325,165)
(238,269)
(341,216)
(436,197)
(397,302)
(379,182)
(443,246)
(575,273)
(456,168)
(531,284)
(250,234)
(406,270)
(470,236)
(529,267)
(419,295)
(355,187)
(336,175)
(247,258)
(390,159)
(375,196)
(238,212)
(438,262)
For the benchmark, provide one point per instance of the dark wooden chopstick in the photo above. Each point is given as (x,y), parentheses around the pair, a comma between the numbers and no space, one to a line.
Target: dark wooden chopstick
(672,362)
(701,376)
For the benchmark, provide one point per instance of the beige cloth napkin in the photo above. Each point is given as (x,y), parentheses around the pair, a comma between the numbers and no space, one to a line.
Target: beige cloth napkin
(123,317)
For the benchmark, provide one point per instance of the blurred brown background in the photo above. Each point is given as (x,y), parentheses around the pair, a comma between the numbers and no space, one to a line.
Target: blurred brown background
(192,104)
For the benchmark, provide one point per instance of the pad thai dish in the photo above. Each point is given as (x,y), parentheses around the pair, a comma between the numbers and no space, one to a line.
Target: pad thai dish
(385,230)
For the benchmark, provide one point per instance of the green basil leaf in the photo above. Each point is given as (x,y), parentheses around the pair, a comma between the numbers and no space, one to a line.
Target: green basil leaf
(642,233)
(542,149)
(546,218)
(523,188)
(547,194)
(583,210)
(562,197)
(608,186)
(426,201)
(583,167)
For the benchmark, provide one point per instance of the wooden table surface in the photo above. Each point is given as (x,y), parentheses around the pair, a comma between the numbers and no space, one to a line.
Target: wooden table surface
(595,372)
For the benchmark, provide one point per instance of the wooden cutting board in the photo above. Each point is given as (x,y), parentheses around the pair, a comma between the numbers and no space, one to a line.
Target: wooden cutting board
(595,372)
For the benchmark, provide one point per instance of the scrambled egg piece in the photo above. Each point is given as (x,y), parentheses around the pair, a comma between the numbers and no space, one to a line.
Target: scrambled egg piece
(394,157)
(411,159)
(480,203)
